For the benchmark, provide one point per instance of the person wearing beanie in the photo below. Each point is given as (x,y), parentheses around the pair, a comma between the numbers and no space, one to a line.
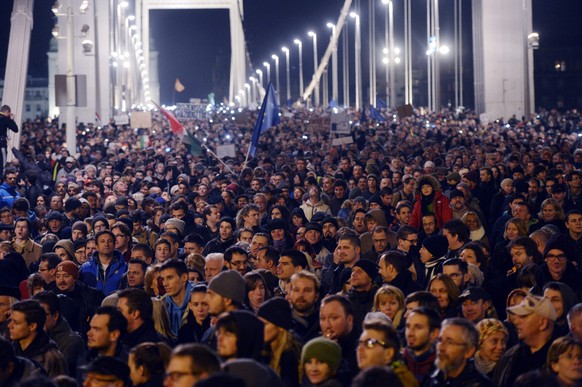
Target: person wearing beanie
(432,255)
(329,227)
(363,289)
(84,299)
(226,292)
(284,350)
(558,266)
(320,361)
(430,200)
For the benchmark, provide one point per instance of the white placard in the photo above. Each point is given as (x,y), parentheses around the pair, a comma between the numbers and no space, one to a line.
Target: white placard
(340,123)
(225,151)
(342,141)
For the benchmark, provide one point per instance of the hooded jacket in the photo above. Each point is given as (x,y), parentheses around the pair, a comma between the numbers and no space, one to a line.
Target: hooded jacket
(441,204)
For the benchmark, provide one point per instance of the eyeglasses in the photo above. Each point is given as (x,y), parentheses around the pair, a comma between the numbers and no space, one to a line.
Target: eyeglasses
(371,342)
(449,342)
(553,258)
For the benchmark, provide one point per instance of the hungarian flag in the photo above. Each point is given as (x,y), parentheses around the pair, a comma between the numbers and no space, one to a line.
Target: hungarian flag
(178,86)
(192,144)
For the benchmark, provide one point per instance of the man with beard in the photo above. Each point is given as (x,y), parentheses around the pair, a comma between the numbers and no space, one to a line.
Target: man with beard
(457,343)
(329,228)
(225,294)
(422,330)
(81,300)
(303,297)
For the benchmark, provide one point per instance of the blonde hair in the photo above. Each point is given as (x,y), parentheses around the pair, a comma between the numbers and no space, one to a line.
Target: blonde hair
(386,292)
(162,320)
(283,342)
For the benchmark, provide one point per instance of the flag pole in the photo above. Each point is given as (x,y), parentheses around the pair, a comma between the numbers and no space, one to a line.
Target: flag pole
(218,158)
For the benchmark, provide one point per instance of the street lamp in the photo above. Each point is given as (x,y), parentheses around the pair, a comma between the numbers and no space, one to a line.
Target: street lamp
(268,67)
(358,60)
(260,72)
(334,87)
(276,58)
(248,94)
(300,46)
(254,88)
(314,37)
(286,51)
(390,77)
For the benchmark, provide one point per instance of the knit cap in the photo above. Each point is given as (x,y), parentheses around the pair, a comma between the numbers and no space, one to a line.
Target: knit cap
(437,245)
(368,266)
(229,284)
(277,311)
(324,350)
(68,267)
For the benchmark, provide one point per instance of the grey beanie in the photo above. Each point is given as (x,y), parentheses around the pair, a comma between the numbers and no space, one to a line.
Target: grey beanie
(229,284)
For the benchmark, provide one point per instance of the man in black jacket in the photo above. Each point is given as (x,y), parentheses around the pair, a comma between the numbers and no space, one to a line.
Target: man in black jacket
(457,343)
(6,122)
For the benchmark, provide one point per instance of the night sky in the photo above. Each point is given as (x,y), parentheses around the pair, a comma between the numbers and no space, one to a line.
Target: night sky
(194,45)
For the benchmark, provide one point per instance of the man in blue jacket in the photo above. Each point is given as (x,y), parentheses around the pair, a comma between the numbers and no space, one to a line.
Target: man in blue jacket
(106,267)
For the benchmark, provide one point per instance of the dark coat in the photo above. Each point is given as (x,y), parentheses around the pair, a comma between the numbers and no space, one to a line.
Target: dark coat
(469,377)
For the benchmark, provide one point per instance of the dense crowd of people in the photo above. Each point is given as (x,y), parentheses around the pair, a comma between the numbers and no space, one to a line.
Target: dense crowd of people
(429,250)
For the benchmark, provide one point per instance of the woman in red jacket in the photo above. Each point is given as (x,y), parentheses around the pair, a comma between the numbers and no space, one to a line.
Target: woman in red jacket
(430,200)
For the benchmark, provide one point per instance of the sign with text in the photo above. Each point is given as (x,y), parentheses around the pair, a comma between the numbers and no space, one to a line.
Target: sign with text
(340,123)
(190,111)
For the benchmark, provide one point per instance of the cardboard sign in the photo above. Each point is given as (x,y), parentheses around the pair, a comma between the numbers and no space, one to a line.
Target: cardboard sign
(141,120)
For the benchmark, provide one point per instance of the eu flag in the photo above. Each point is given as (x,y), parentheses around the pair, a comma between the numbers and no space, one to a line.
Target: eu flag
(268,117)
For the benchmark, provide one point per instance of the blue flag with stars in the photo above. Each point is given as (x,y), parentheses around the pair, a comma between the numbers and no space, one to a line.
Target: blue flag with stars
(268,117)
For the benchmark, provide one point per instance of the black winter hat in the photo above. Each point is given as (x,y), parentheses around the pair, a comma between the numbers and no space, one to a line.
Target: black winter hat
(437,245)
(277,311)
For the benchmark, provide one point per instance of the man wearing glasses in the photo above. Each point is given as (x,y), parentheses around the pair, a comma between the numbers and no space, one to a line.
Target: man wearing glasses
(189,364)
(379,346)
(457,343)
(558,266)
